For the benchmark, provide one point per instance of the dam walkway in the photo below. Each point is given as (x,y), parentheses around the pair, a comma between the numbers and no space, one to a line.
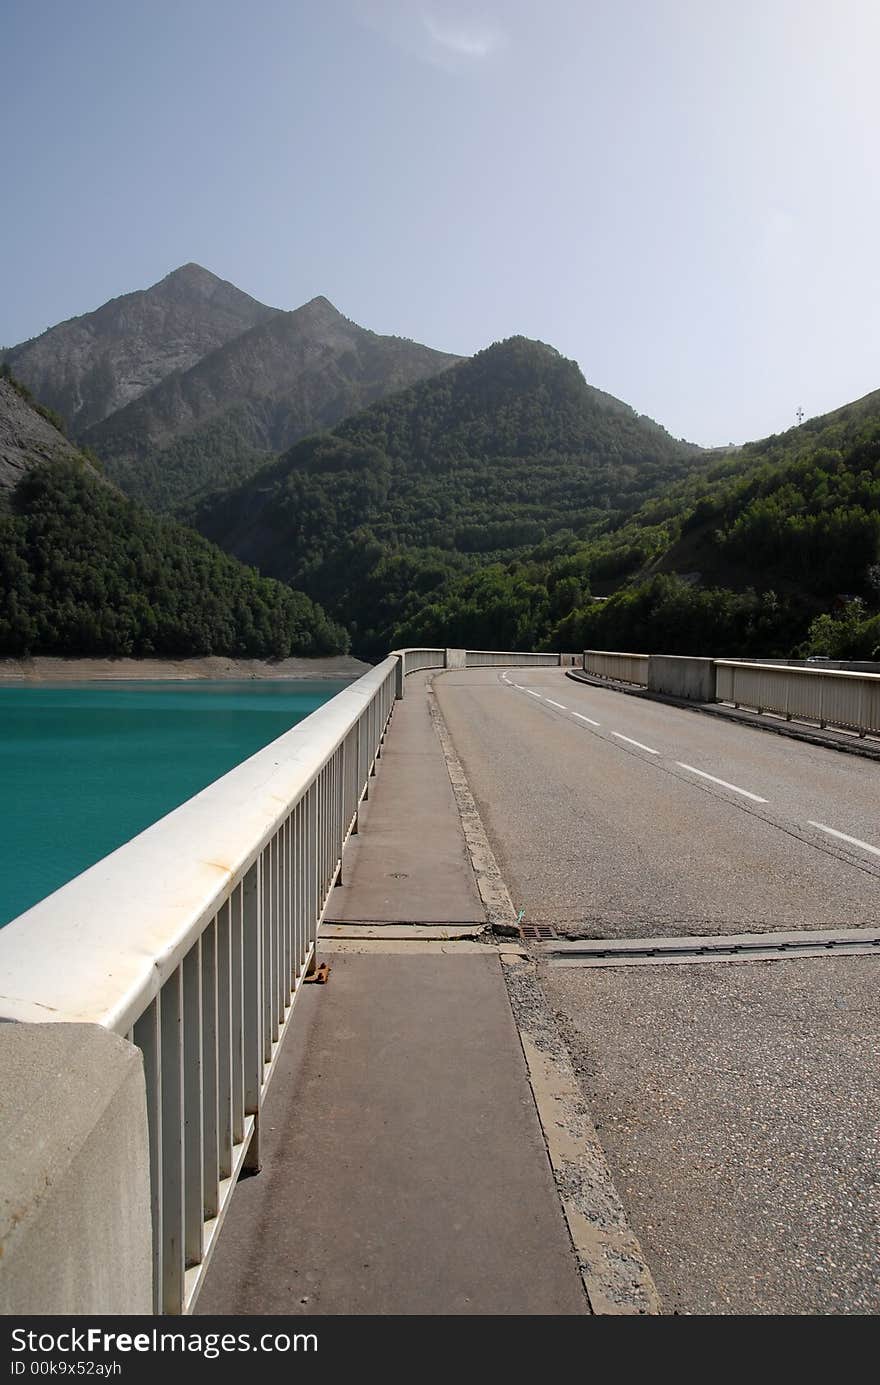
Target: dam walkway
(404,1164)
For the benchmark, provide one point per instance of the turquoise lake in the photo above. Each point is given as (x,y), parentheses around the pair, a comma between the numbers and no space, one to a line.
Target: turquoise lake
(85,768)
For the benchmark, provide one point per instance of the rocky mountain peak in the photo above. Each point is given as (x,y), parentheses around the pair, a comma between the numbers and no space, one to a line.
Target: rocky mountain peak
(91,366)
(191,282)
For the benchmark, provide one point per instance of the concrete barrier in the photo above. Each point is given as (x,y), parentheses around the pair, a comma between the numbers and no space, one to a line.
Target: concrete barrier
(75,1223)
(679,675)
(620,668)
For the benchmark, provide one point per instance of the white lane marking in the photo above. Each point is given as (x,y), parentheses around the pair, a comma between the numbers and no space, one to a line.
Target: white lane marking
(756,798)
(533,694)
(832,832)
(519,687)
(581,717)
(556,704)
(621,737)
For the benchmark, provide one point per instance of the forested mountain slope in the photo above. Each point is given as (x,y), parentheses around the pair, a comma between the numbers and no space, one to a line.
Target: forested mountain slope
(84,570)
(483,460)
(772,549)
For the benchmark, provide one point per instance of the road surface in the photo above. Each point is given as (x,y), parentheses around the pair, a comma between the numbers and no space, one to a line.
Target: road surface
(617,816)
(736,1101)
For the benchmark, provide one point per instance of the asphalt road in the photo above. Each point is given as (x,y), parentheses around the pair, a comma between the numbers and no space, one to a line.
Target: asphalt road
(604,823)
(736,1102)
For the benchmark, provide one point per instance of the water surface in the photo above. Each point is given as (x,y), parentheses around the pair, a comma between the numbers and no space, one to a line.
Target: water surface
(83,768)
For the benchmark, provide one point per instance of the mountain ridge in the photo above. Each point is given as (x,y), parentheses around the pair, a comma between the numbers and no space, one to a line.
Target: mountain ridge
(191,383)
(483,458)
(90,365)
(280,379)
(771,550)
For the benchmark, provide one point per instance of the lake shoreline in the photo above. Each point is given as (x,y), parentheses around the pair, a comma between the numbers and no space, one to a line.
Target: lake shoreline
(213,668)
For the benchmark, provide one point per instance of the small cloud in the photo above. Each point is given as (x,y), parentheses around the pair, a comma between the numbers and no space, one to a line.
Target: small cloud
(442,34)
(462,39)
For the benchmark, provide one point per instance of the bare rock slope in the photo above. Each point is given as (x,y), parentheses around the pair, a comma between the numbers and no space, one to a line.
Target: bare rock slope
(26,439)
(90,366)
(290,375)
(191,384)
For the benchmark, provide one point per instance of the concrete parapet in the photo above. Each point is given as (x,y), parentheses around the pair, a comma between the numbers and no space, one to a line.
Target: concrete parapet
(75,1225)
(679,675)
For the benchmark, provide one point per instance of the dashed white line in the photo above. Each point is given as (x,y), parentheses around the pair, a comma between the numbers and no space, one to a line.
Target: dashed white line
(556,704)
(630,741)
(580,716)
(531,693)
(854,841)
(734,788)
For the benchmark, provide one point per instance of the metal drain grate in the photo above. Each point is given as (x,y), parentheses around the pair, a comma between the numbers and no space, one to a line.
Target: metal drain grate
(756,947)
(537,932)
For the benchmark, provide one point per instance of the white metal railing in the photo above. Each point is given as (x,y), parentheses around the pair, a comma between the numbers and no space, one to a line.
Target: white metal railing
(831,697)
(193,939)
(624,668)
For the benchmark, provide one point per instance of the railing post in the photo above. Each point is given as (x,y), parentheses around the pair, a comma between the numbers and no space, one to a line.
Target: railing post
(252,969)
(148,1037)
(210,1076)
(172,1145)
(194,1171)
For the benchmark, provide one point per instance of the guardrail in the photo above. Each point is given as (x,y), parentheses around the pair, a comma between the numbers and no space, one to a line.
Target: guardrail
(832,697)
(493,658)
(192,941)
(624,668)
(411,660)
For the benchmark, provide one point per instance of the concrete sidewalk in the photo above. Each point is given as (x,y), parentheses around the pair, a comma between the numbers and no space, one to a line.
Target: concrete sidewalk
(409,862)
(405,1170)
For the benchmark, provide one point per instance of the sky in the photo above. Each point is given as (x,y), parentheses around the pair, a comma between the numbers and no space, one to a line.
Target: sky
(681,195)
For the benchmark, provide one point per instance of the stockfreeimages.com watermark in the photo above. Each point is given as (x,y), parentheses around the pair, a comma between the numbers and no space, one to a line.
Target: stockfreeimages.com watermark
(88,1342)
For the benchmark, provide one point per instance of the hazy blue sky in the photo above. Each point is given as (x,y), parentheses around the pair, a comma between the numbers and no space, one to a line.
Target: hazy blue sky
(683,195)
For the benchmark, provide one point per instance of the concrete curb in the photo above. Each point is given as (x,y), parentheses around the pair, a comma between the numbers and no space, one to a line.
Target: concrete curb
(812,736)
(493,891)
(613,1269)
